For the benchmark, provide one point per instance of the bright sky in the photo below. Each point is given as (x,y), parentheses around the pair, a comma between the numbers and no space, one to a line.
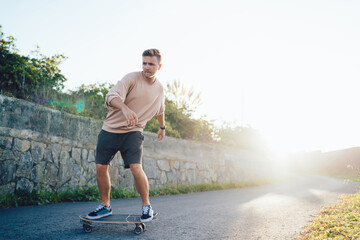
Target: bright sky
(287,68)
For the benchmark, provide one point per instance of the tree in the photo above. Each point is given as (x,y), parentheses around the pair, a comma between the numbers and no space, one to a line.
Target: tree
(93,97)
(28,77)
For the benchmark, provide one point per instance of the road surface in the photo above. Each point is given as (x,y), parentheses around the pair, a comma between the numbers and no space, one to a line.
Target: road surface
(276,211)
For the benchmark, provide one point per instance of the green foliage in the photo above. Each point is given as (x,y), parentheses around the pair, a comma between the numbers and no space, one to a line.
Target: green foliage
(336,221)
(25,76)
(153,126)
(203,187)
(93,97)
(187,127)
(63,102)
(123,193)
(24,198)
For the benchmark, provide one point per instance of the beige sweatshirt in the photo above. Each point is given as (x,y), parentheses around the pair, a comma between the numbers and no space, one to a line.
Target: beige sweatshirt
(145,99)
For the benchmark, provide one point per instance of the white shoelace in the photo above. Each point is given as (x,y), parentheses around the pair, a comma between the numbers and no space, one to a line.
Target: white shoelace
(99,208)
(146,209)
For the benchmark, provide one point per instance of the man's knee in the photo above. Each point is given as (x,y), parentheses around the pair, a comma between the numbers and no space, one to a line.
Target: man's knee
(136,168)
(100,168)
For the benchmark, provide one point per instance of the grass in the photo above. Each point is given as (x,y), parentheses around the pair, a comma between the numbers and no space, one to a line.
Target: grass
(337,221)
(24,198)
(203,187)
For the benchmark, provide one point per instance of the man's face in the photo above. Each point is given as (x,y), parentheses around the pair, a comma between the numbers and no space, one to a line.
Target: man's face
(150,66)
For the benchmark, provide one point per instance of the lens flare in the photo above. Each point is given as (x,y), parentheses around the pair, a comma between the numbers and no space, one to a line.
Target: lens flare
(53,102)
(79,105)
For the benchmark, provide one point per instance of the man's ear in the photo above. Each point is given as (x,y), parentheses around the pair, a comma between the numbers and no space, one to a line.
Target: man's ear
(159,66)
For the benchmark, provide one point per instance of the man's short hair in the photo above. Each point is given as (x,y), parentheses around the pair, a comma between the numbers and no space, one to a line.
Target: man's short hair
(153,52)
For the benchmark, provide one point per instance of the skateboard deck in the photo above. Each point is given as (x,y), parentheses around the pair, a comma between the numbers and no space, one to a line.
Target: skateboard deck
(117,219)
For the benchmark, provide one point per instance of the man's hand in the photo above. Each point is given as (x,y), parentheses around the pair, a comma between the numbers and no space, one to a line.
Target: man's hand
(161,134)
(130,116)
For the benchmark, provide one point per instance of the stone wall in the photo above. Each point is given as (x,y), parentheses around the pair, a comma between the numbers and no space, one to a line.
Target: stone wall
(41,148)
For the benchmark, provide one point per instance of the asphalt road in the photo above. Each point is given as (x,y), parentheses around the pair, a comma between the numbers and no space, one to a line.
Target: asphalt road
(277,211)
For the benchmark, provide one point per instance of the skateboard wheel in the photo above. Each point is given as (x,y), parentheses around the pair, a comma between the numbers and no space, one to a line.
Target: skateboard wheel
(143,227)
(138,230)
(87,228)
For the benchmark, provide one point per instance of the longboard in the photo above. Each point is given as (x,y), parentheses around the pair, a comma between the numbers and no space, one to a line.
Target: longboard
(117,219)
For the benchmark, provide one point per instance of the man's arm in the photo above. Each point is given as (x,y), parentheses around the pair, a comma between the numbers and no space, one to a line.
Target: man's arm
(161,132)
(130,115)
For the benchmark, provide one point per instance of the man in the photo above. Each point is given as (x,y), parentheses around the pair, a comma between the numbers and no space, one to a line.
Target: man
(132,102)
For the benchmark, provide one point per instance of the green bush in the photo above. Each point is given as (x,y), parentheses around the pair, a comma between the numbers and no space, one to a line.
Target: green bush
(24,198)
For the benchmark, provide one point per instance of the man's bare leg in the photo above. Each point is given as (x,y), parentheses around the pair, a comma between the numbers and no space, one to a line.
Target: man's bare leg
(104,184)
(141,182)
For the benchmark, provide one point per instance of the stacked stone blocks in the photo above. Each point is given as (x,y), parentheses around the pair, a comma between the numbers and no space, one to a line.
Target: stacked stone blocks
(44,149)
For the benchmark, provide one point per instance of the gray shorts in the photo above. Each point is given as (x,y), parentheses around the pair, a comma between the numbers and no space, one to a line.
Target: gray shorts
(129,144)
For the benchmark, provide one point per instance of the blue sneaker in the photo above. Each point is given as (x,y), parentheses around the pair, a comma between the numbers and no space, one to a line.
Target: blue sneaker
(100,212)
(147,213)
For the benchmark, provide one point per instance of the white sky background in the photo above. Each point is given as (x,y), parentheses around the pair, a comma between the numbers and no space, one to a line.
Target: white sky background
(288,68)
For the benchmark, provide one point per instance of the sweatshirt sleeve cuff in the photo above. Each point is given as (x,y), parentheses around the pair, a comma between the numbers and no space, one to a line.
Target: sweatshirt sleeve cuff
(108,99)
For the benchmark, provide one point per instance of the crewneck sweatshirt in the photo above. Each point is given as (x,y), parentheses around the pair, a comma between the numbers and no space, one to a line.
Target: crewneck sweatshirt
(145,99)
